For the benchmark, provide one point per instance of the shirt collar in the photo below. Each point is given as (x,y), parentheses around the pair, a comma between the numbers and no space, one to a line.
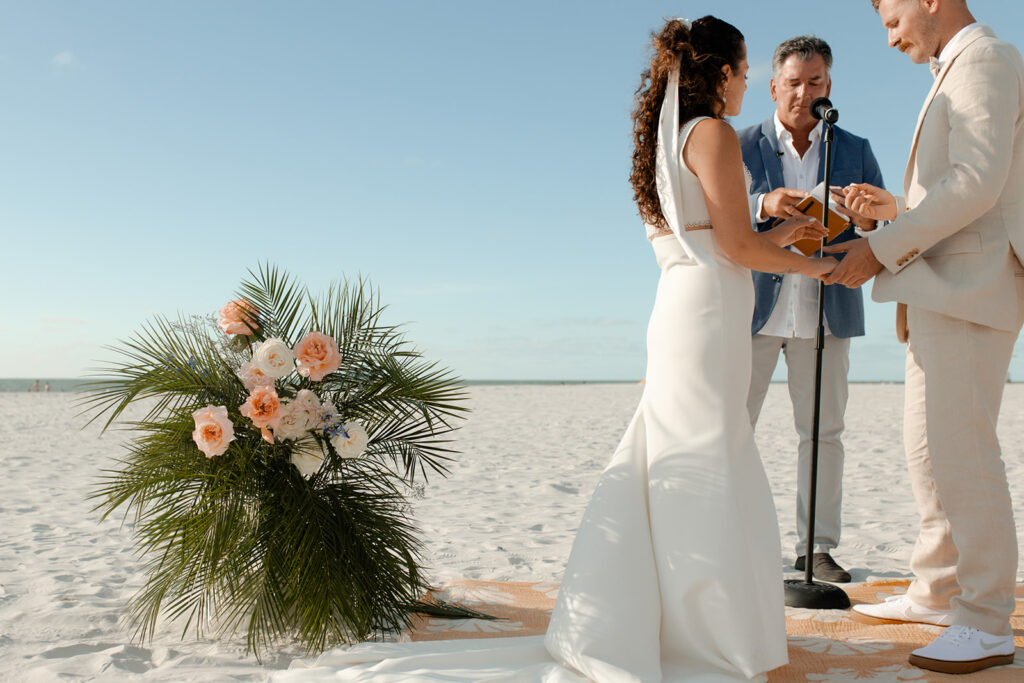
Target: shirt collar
(954,42)
(784,135)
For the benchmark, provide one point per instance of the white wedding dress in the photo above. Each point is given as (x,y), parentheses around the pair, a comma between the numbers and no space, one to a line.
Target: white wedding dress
(675,572)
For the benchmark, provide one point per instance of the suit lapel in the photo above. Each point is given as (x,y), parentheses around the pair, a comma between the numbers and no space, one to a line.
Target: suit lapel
(973,36)
(769,146)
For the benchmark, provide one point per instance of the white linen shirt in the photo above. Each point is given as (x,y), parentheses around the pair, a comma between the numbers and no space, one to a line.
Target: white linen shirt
(796,310)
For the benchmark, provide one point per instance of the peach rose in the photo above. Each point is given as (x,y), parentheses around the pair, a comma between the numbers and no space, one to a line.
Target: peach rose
(214,430)
(263,408)
(252,377)
(239,317)
(317,355)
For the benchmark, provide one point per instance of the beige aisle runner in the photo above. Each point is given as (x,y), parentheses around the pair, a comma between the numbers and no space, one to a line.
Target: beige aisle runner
(824,645)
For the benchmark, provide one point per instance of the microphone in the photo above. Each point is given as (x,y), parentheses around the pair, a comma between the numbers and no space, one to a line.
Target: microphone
(821,108)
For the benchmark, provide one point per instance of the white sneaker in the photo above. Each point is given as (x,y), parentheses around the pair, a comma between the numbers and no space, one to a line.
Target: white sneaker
(962,649)
(899,609)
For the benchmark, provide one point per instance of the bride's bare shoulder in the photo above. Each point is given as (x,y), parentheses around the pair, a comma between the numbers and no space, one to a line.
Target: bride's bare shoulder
(711,143)
(713,132)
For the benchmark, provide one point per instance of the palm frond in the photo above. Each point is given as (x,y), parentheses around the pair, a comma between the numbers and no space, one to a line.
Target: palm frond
(242,541)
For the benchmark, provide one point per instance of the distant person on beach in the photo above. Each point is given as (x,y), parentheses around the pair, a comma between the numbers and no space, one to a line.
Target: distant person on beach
(786,157)
(35,386)
(46,387)
(951,256)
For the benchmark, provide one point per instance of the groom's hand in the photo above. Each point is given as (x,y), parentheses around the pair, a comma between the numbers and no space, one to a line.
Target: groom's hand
(857,267)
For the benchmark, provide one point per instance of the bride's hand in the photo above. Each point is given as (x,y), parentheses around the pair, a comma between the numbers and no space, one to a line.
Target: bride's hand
(794,229)
(819,268)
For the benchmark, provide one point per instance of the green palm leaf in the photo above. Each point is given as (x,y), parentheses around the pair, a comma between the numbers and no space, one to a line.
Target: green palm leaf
(242,541)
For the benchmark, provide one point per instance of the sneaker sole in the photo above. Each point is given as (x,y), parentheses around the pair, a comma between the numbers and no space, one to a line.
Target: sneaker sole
(868,619)
(948,667)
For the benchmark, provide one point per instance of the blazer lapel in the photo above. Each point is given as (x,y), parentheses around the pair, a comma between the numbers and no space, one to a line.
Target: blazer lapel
(971,37)
(769,145)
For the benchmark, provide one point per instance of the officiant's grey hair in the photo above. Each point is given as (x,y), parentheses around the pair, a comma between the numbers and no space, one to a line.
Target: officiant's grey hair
(805,48)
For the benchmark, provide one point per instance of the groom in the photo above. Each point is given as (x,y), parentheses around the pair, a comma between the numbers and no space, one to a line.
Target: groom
(951,256)
(786,159)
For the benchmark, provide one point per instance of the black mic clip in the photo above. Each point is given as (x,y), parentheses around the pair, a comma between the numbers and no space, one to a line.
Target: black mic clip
(822,108)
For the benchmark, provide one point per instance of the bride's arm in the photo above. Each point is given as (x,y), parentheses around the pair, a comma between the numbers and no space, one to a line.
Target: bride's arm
(712,152)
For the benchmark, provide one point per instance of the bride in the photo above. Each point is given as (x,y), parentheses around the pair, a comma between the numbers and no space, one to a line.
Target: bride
(675,571)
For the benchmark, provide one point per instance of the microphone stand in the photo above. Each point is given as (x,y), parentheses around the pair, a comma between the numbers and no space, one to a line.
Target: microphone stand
(808,593)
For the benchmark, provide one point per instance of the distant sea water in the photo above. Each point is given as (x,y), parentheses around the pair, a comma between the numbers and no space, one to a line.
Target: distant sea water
(66,384)
(70,384)
(57,384)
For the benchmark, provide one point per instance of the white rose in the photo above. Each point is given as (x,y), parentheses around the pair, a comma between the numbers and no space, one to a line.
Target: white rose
(350,441)
(307,456)
(273,358)
(294,422)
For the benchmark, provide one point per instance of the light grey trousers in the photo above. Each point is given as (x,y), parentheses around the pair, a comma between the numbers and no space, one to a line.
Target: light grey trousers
(800,364)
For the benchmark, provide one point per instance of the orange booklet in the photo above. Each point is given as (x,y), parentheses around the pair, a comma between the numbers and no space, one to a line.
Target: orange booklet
(814,206)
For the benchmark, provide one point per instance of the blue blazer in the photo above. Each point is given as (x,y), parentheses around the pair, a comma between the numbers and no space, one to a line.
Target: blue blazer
(852,162)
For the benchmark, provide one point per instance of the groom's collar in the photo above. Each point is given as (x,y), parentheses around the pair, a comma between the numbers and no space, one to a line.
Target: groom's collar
(959,41)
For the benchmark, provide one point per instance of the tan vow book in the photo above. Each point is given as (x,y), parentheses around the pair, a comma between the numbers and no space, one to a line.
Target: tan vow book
(814,206)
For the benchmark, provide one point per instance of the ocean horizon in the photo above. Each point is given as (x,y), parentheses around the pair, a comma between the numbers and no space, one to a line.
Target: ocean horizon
(73,384)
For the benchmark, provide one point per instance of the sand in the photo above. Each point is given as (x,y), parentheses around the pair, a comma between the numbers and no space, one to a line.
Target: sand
(531,456)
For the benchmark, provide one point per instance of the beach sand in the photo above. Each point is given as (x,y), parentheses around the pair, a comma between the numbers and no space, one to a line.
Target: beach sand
(531,455)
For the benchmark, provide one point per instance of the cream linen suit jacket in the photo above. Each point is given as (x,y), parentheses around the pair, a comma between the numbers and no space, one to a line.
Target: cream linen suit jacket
(956,249)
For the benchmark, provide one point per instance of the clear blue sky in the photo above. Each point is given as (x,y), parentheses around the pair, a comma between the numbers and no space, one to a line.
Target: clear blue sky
(470,157)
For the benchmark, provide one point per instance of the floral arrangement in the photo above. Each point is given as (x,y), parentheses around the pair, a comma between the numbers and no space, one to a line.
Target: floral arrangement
(268,476)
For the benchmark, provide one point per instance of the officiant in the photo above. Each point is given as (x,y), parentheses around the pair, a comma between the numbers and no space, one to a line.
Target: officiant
(786,158)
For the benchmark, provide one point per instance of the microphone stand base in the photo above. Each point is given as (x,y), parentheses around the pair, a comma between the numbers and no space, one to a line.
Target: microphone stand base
(814,595)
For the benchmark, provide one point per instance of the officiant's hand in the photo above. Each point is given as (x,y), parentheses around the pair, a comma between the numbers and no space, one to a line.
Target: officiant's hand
(857,267)
(870,202)
(781,202)
(794,229)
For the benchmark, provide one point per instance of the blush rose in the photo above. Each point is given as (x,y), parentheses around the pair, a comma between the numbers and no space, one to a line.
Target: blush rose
(213,431)
(264,409)
(317,355)
(239,317)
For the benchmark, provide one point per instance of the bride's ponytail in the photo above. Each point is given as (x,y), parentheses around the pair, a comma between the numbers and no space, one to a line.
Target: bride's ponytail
(700,51)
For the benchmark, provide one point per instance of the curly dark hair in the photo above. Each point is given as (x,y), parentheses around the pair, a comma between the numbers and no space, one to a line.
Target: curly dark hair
(701,51)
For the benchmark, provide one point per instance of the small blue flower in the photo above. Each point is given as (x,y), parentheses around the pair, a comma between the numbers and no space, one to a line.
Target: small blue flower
(336,430)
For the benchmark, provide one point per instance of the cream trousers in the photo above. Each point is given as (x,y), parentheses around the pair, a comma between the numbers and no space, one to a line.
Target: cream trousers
(965,558)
